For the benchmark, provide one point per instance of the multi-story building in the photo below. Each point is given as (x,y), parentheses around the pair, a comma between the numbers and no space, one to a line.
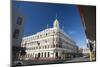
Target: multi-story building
(86,52)
(17,31)
(51,43)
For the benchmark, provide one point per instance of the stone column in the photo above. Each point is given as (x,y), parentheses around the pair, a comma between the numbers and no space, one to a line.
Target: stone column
(59,53)
(54,54)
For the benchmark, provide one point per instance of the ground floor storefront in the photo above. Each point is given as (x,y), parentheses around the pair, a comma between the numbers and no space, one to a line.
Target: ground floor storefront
(55,54)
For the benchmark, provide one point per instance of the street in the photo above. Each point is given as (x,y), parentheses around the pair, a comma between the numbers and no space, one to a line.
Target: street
(77,59)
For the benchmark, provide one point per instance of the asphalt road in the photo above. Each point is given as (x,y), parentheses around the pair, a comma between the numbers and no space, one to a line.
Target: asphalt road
(78,59)
(72,60)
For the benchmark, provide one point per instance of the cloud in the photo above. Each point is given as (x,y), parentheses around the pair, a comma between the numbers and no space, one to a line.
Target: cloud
(71,32)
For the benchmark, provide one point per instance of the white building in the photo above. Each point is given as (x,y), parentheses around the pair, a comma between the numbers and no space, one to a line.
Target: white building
(51,43)
(86,51)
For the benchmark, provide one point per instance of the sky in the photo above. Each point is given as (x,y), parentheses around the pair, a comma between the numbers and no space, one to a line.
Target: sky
(38,15)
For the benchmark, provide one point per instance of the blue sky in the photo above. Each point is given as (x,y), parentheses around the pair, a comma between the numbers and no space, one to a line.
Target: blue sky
(38,15)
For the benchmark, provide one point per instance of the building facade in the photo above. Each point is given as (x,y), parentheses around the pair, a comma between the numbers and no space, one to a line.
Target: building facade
(86,52)
(51,43)
(16,38)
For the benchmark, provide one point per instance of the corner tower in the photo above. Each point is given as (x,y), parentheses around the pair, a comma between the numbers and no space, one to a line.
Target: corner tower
(56,24)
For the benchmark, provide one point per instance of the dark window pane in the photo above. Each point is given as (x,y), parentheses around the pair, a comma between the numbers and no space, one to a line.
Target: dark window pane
(38,43)
(19,20)
(16,34)
(48,54)
(45,54)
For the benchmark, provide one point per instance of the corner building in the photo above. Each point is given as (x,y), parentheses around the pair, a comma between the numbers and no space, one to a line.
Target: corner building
(50,44)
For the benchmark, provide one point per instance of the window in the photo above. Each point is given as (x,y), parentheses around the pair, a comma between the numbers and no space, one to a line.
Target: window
(45,47)
(19,20)
(40,36)
(42,54)
(53,46)
(34,48)
(45,41)
(56,54)
(48,54)
(16,33)
(38,43)
(45,54)
(46,34)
